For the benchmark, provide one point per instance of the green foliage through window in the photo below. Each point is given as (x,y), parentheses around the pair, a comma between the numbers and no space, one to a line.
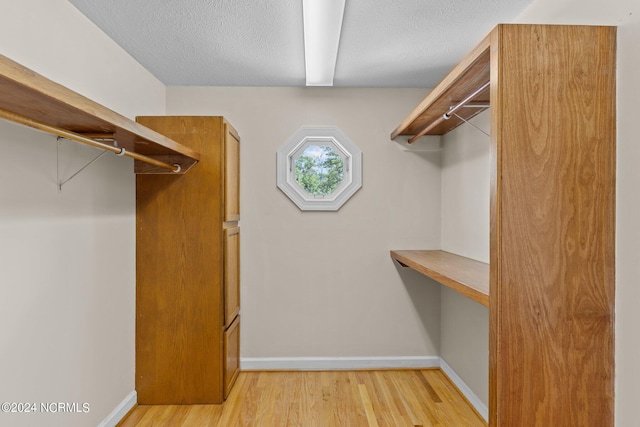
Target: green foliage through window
(319,170)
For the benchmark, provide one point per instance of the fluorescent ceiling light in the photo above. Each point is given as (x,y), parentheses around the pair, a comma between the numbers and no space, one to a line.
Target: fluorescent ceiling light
(322,26)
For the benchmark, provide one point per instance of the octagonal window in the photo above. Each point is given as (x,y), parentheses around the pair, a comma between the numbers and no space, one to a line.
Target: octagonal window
(319,168)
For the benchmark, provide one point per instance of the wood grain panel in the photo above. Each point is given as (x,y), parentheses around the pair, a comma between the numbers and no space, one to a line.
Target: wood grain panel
(323,399)
(495,232)
(179,253)
(553,242)
(464,275)
(231,274)
(231,355)
(231,174)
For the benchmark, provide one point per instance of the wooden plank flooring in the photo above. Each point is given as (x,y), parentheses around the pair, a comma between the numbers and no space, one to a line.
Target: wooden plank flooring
(324,399)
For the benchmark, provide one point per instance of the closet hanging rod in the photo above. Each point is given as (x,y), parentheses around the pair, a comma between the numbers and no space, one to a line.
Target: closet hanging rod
(26,121)
(447,115)
(477,105)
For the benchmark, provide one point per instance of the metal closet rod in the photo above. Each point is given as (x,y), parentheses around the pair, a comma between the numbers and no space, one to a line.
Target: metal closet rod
(448,114)
(26,121)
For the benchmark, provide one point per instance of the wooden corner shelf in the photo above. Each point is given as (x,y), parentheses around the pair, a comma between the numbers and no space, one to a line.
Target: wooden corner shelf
(470,74)
(29,94)
(464,275)
(553,123)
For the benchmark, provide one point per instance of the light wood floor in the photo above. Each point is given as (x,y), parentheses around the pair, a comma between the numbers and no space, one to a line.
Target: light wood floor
(325,399)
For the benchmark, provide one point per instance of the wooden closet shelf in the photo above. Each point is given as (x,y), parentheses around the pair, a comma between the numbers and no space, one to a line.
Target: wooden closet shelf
(464,275)
(469,75)
(552,307)
(27,93)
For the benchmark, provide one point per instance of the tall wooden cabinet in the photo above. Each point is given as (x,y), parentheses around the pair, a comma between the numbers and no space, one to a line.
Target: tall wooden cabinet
(552,237)
(188,280)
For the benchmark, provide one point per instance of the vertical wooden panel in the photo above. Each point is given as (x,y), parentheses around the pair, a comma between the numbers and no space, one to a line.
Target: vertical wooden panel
(495,248)
(552,290)
(231,274)
(231,355)
(231,174)
(179,255)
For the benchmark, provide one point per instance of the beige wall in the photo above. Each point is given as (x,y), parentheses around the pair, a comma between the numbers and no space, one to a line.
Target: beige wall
(67,260)
(54,39)
(321,284)
(466,190)
(465,231)
(626,15)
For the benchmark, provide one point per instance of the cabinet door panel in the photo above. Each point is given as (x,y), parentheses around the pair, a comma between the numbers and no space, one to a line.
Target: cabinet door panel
(231,355)
(231,174)
(231,274)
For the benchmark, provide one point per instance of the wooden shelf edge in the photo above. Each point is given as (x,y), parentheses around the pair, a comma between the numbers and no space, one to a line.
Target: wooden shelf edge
(466,276)
(477,58)
(32,95)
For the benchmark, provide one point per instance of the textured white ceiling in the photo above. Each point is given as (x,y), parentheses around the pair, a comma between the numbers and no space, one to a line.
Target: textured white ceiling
(384,43)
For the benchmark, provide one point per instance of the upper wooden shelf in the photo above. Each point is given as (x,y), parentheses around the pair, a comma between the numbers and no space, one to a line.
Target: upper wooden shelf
(464,275)
(469,75)
(27,93)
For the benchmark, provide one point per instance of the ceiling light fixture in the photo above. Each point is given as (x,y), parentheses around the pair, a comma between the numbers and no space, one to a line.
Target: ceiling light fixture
(322,26)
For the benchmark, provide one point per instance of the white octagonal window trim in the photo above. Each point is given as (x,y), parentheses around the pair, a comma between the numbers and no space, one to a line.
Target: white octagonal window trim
(319,168)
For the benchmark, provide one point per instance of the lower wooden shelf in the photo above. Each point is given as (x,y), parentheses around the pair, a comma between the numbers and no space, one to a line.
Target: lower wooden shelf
(464,275)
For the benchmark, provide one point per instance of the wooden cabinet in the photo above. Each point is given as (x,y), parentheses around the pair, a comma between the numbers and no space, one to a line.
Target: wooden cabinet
(188,283)
(552,231)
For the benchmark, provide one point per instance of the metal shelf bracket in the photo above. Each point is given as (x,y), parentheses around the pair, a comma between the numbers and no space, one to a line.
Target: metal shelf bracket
(60,182)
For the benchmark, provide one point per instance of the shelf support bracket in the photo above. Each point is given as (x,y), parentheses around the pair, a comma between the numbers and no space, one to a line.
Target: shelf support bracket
(472,125)
(59,181)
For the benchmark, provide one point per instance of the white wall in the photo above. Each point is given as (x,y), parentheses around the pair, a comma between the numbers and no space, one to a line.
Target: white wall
(626,15)
(466,190)
(67,261)
(465,231)
(322,284)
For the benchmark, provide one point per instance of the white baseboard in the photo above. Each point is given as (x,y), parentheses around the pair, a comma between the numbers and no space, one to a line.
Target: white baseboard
(336,363)
(465,390)
(120,411)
